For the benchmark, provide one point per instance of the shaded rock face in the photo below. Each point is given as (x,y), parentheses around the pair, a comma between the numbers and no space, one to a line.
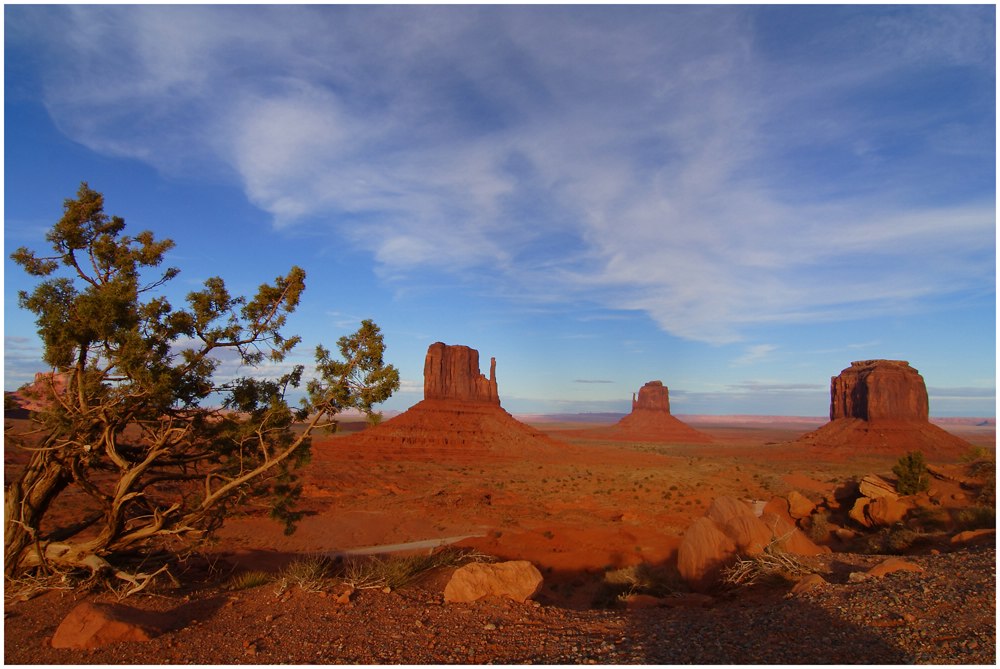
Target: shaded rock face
(877,390)
(452,373)
(654,396)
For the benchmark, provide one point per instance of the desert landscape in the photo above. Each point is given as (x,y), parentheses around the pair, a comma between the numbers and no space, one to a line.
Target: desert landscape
(637,528)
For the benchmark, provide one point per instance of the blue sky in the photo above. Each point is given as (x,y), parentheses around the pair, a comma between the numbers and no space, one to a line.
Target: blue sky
(735,200)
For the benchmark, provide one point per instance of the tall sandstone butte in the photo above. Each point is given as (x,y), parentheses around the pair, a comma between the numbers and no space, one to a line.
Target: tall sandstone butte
(654,396)
(459,417)
(651,420)
(881,406)
(875,390)
(452,373)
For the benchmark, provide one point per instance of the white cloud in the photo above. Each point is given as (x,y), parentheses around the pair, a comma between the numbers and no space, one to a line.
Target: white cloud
(652,159)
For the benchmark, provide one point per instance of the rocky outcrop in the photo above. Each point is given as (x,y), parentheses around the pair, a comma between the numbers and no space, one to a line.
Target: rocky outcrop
(879,389)
(518,580)
(452,373)
(881,407)
(730,528)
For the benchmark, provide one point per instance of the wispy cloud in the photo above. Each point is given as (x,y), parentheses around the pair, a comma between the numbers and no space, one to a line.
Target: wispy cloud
(671,160)
(755,354)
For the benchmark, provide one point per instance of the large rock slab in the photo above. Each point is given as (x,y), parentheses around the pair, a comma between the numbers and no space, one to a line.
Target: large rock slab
(93,625)
(518,580)
(704,552)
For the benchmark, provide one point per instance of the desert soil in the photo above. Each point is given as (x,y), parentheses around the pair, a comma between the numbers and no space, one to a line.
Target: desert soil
(599,505)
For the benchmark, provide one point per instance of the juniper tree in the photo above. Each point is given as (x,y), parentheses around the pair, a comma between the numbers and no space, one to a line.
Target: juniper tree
(132,414)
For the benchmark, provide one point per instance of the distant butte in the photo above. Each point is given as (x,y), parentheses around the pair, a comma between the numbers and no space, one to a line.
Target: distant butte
(459,417)
(878,407)
(651,420)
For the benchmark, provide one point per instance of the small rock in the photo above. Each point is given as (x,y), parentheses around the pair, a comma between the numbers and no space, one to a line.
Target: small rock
(808,583)
(893,565)
(489,627)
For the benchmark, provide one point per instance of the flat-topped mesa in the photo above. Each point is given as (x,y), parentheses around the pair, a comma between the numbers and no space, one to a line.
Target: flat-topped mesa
(875,390)
(452,373)
(654,396)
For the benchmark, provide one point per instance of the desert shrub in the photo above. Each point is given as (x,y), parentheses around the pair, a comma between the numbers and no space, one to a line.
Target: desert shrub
(911,474)
(249,579)
(976,518)
(900,539)
(770,564)
(130,411)
(308,573)
(982,465)
(642,578)
(929,519)
(396,571)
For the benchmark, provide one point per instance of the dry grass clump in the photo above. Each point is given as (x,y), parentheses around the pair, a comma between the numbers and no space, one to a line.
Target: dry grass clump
(248,579)
(772,563)
(396,571)
(642,579)
(309,573)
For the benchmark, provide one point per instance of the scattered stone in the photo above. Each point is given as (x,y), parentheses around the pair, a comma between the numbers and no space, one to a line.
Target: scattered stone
(641,601)
(808,583)
(93,625)
(518,580)
(891,565)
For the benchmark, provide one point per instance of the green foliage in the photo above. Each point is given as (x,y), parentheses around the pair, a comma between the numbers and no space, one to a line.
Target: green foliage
(134,415)
(911,474)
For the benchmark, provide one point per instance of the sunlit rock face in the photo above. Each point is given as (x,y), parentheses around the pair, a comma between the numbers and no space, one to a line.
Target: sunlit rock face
(879,390)
(654,396)
(452,373)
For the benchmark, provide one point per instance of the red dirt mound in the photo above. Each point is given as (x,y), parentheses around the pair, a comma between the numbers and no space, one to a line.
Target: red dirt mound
(442,430)
(855,436)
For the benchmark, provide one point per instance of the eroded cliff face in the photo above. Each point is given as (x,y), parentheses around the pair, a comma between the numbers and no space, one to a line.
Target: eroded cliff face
(654,396)
(875,390)
(452,373)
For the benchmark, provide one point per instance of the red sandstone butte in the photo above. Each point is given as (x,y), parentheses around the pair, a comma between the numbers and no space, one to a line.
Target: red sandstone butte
(459,417)
(650,419)
(881,407)
(879,389)
(452,373)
